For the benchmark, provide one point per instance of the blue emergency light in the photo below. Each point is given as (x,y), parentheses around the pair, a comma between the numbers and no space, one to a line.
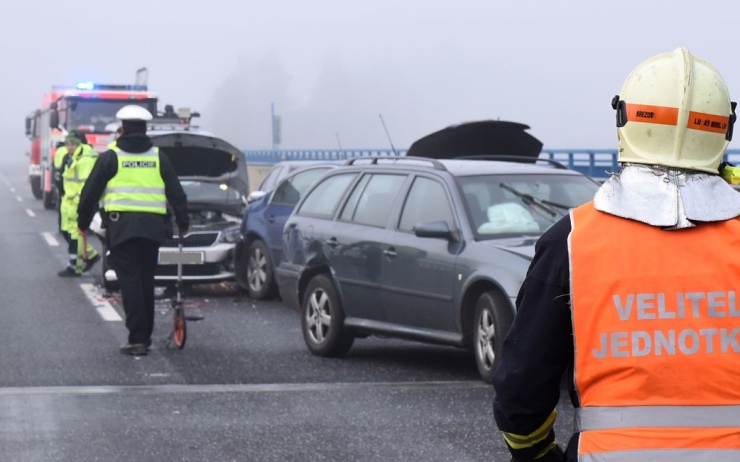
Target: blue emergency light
(88,86)
(85,86)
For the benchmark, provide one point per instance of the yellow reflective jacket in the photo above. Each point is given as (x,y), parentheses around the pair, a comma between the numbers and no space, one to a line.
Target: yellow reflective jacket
(137,186)
(73,179)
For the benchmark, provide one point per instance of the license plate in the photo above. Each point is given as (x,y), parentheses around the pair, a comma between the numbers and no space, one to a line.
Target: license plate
(185,258)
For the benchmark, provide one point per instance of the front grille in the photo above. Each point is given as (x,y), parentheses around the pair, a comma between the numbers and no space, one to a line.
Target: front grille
(206,269)
(196,239)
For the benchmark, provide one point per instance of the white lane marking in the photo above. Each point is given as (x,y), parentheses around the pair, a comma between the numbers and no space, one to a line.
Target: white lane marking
(19,198)
(30,213)
(50,239)
(241,388)
(12,189)
(105,310)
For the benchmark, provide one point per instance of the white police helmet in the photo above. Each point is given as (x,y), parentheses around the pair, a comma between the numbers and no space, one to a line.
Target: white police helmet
(674,110)
(133,112)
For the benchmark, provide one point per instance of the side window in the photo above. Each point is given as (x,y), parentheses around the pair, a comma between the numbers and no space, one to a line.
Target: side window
(290,190)
(285,193)
(426,201)
(270,179)
(354,198)
(372,199)
(323,199)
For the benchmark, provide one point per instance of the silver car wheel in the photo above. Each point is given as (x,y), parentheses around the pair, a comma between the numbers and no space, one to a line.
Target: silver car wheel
(318,316)
(493,317)
(484,347)
(256,270)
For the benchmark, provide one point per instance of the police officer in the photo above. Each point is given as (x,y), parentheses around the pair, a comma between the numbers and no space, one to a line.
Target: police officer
(633,296)
(134,182)
(79,160)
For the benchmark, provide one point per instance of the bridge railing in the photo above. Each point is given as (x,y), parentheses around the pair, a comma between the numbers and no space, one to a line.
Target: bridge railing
(596,163)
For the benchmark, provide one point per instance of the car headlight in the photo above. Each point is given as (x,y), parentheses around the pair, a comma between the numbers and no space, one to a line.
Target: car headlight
(230,235)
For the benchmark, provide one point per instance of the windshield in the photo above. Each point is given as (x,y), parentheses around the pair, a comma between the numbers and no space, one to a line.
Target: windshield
(203,191)
(522,204)
(94,115)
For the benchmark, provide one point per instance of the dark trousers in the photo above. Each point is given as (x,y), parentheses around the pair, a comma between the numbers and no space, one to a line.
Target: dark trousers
(135,261)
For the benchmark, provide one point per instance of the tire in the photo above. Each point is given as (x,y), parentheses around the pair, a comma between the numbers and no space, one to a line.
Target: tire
(36,187)
(48,199)
(240,266)
(260,272)
(322,320)
(493,318)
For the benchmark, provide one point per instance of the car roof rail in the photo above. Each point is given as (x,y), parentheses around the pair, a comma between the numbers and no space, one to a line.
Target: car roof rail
(514,158)
(394,159)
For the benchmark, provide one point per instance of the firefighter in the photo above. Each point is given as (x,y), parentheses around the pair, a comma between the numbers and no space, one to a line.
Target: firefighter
(61,160)
(80,158)
(633,296)
(133,182)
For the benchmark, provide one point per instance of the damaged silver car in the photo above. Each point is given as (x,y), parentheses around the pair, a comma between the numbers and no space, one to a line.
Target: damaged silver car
(214,176)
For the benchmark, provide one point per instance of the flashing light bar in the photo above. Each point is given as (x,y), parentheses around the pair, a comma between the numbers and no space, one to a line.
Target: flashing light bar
(88,86)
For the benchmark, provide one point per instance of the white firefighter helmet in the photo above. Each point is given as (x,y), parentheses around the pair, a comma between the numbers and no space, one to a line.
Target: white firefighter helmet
(133,112)
(674,110)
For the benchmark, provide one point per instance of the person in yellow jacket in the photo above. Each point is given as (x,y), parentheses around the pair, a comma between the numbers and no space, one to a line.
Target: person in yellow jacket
(634,296)
(81,159)
(61,160)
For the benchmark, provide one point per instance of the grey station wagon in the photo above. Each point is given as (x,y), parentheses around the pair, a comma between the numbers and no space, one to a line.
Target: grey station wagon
(421,249)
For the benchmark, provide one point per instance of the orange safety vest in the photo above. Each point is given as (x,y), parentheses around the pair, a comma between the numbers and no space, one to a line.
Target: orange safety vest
(656,332)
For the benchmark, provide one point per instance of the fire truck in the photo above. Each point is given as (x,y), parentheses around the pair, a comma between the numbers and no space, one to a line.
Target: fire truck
(87,106)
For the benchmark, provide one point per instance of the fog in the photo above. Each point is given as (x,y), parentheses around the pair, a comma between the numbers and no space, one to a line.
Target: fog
(332,68)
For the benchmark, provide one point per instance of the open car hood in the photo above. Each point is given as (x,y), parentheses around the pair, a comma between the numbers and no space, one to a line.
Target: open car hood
(204,157)
(481,138)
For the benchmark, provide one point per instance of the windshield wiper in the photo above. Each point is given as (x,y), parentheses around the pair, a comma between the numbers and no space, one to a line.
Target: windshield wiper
(555,204)
(531,201)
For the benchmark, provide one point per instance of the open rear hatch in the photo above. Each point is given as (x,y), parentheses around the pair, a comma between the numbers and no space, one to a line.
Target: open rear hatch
(481,138)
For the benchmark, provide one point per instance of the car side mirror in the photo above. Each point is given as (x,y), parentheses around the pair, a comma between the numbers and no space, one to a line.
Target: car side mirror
(438,229)
(254,195)
(53,119)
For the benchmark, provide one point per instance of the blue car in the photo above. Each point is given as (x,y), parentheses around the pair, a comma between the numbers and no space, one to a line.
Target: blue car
(259,249)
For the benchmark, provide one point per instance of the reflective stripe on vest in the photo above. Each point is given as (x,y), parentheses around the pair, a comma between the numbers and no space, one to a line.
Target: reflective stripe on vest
(656,332)
(137,186)
(664,455)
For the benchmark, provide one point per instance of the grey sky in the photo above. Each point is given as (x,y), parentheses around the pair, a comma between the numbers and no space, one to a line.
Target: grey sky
(332,66)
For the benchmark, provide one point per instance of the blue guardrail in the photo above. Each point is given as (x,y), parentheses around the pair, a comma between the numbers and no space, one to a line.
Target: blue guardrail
(596,163)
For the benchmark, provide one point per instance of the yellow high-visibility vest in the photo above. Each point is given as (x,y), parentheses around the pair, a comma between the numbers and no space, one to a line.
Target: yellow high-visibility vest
(137,186)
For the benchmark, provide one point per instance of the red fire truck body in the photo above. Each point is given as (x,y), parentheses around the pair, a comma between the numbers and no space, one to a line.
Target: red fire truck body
(88,107)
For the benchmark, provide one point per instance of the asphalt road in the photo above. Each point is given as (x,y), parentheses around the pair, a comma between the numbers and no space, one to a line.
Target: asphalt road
(245,388)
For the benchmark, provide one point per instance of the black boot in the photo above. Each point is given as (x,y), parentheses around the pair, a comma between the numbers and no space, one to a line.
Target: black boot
(68,272)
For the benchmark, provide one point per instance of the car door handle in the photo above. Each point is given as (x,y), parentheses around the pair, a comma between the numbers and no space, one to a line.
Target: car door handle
(271,218)
(391,253)
(332,242)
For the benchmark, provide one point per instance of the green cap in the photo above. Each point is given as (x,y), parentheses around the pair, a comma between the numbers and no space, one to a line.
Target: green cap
(75,137)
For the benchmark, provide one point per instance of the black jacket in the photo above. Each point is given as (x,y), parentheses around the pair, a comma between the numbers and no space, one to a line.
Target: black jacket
(538,349)
(132,224)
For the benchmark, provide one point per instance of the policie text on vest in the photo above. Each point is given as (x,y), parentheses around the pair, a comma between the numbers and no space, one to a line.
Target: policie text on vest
(138,164)
(645,307)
